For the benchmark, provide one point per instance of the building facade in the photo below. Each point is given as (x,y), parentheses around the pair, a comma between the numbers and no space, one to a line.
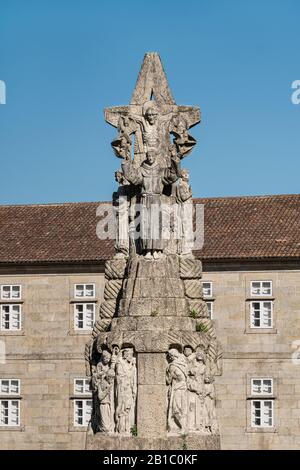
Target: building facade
(51,286)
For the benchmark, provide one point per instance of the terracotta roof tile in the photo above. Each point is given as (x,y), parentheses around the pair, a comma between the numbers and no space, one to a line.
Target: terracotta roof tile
(252,227)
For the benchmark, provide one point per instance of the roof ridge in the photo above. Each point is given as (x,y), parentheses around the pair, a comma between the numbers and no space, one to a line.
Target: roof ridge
(74,203)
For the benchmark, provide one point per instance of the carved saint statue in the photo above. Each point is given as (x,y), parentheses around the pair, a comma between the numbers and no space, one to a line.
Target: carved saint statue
(185,215)
(126,388)
(177,392)
(121,205)
(197,416)
(103,384)
(152,178)
(210,404)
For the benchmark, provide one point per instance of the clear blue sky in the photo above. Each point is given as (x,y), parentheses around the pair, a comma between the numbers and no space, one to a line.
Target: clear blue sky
(63,61)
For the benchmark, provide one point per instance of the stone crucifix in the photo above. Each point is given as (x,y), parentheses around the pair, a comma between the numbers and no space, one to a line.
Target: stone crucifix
(151,117)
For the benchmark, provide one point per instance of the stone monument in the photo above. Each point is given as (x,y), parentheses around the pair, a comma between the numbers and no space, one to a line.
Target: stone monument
(154,353)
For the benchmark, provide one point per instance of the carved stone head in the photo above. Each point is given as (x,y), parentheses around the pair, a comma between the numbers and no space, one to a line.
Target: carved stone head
(187,351)
(185,175)
(151,155)
(150,112)
(106,356)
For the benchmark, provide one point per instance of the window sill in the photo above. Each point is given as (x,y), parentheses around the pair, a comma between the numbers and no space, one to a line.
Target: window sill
(83,301)
(270,430)
(263,298)
(78,428)
(11,333)
(80,333)
(261,331)
(12,428)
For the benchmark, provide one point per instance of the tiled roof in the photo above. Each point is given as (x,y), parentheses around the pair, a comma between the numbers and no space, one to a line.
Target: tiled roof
(249,228)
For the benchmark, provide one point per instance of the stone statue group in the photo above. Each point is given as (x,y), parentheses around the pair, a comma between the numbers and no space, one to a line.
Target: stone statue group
(153,184)
(114,385)
(191,393)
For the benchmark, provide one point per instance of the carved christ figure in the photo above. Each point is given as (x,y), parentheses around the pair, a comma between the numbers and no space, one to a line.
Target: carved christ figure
(152,178)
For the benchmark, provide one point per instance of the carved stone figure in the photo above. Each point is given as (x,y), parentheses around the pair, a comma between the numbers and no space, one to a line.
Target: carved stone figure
(185,215)
(126,388)
(177,392)
(210,404)
(103,384)
(121,204)
(197,415)
(152,178)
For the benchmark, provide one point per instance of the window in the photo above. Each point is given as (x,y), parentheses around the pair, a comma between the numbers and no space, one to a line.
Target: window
(82,412)
(81,386)
(261,288)
(10,317)
(207,289)
(262,413)
(10,292)
(84,316)
(210,309)
(261,314)
(9,407)
(9,387)
(262,387)
(9,413)
(82,407)
(84,290)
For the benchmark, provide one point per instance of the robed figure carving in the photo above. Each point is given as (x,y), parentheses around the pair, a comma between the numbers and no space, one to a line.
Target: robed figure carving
(151,177)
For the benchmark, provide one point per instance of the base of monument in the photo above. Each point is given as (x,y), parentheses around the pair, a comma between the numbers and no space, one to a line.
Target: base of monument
(189,442)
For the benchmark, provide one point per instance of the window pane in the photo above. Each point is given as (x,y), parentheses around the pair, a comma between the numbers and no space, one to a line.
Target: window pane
(14,386)
(88,411)
(16,290)
(78,386)
(89,290)
(268,413)
(255,288)
(210,309)
(266,288)
(6,292)
(207,289)
(267,315)
(79,290)
(256,386)
(4,386)
(14,413)
(267,386)
(4,413)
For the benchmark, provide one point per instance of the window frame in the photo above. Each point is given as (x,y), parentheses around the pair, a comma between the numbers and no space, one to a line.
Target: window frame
(10,402)
(84,284)
(84,407)
(10,393)
(84,393)
(11,298)
(251,316)
(84,305)
(261,294)
(11,307)
(262,393)
(262,402)
(209,296)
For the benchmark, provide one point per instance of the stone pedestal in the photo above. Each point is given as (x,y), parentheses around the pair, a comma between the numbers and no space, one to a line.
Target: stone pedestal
(152,315)
(189,442)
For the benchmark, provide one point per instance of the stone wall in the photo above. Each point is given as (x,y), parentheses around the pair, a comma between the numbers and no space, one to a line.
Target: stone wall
(49,354)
